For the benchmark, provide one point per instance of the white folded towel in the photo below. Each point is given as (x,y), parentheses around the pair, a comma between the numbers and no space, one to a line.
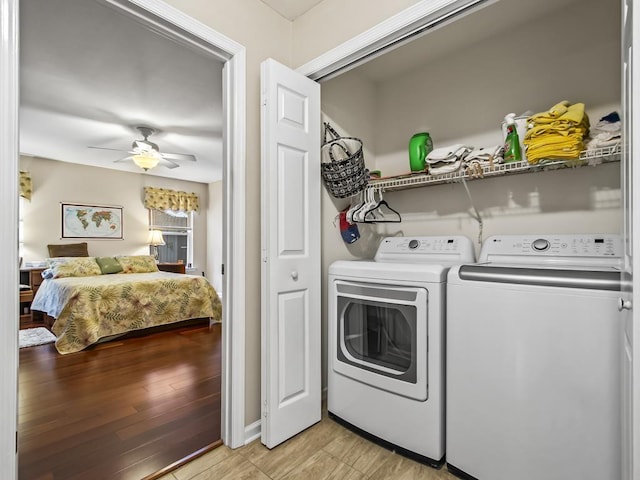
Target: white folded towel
(447,154)
(486,155)
(444,167)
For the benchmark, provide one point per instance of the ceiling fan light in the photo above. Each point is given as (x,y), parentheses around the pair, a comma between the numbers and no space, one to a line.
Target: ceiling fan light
(145,160)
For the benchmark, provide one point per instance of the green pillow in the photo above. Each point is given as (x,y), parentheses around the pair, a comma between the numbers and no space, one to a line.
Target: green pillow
(109,265)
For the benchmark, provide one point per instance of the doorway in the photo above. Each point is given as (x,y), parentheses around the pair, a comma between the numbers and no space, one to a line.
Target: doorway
(182,28)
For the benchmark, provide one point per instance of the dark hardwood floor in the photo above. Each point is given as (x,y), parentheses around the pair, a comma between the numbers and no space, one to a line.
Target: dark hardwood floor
(121,410)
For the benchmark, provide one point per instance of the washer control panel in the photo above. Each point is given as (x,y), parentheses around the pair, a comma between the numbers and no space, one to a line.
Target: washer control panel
(425,249)
(569,247)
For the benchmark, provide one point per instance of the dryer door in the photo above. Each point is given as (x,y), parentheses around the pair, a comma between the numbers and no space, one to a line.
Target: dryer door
(381,336)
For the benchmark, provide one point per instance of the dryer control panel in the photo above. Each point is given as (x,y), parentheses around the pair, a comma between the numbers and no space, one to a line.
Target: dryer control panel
(434,249)
(576,249)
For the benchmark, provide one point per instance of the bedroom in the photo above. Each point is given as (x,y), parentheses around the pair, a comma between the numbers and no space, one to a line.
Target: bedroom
(55,170)
(41,217)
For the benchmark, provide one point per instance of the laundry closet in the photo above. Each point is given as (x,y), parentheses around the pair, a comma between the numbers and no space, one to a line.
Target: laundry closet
(457,82)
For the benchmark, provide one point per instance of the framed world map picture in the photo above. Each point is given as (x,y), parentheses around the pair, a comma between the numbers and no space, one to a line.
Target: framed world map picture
(91,221)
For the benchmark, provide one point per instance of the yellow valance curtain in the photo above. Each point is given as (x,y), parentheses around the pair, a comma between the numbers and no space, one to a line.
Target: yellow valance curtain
(165,199)
(25,185)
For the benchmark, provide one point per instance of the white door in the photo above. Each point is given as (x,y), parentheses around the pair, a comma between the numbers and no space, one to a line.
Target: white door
(631,284)
(291,297)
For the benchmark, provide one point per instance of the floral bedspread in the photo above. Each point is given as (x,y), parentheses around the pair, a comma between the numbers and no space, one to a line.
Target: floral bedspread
(88,309)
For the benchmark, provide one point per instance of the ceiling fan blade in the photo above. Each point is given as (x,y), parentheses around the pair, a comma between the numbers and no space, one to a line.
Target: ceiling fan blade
(178,156)
(169,163)
(112,149)
(122,159)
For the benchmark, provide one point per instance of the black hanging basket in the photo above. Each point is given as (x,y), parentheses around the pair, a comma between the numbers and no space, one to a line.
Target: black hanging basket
(343,169)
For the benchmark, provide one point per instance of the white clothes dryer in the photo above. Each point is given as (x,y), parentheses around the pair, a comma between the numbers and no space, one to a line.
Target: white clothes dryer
(386,343)
(534,354)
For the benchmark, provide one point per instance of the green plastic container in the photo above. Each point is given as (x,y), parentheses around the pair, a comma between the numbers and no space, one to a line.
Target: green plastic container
(419,147)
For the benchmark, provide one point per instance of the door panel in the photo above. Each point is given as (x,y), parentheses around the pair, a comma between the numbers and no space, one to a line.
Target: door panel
(292,221)
(292,361)
(291,376)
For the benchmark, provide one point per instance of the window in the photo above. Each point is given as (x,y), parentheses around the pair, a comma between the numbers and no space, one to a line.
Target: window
(177,231)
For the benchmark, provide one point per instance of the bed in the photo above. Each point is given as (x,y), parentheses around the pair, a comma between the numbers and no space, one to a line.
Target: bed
(89,305)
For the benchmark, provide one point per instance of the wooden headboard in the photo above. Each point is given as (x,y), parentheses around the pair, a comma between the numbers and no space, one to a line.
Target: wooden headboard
(68,250)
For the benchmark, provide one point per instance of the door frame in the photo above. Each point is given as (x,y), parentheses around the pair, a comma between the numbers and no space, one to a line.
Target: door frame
(170,21)
(391,33)
(635,267)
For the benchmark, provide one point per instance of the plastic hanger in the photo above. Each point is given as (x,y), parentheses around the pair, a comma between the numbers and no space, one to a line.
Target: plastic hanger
(383,218)
(374,213)
(368,203)
(355,205)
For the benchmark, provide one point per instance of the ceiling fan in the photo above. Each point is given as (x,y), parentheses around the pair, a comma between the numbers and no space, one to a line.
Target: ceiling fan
(146,154)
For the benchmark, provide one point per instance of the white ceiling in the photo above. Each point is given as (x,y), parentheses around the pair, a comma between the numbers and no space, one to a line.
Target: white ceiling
(291,9)
(492,19)
(90,75)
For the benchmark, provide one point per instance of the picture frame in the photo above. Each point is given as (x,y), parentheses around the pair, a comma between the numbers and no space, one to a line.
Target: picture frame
(91,221)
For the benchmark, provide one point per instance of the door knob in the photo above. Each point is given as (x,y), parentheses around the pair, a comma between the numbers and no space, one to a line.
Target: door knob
(294,275)
(624,304)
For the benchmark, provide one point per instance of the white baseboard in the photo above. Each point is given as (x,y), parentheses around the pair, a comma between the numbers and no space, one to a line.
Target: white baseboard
(252,432)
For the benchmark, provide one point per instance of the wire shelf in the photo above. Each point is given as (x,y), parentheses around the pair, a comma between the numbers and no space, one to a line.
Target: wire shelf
(587,158)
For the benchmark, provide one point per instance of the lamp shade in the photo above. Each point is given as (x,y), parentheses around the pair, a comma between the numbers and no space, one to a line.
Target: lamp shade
(146,160)
(155,238)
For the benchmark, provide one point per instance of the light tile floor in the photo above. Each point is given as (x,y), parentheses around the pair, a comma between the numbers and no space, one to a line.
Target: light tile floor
(326,451)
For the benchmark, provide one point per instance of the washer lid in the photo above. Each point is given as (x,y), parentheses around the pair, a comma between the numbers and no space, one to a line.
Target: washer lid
(443,250)
(390,272)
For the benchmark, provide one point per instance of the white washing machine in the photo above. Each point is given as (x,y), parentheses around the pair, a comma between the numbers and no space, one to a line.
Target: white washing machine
(533,360)
(386,343)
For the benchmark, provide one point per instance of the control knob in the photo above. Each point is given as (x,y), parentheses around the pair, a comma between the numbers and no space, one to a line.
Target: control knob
(540,245)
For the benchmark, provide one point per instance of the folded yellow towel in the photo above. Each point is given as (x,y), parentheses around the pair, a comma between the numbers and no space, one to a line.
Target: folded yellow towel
(554,148)
(552,154)
(562,111)
(557,133)
(553,113)
(554,140)
(559,108)
(542,130)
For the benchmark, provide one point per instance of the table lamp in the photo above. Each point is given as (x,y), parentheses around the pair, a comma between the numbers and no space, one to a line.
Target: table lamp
(155,239)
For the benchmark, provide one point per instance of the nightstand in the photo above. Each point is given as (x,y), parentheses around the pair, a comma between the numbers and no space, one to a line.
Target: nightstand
(26,297)
(31,277)
(173,267)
